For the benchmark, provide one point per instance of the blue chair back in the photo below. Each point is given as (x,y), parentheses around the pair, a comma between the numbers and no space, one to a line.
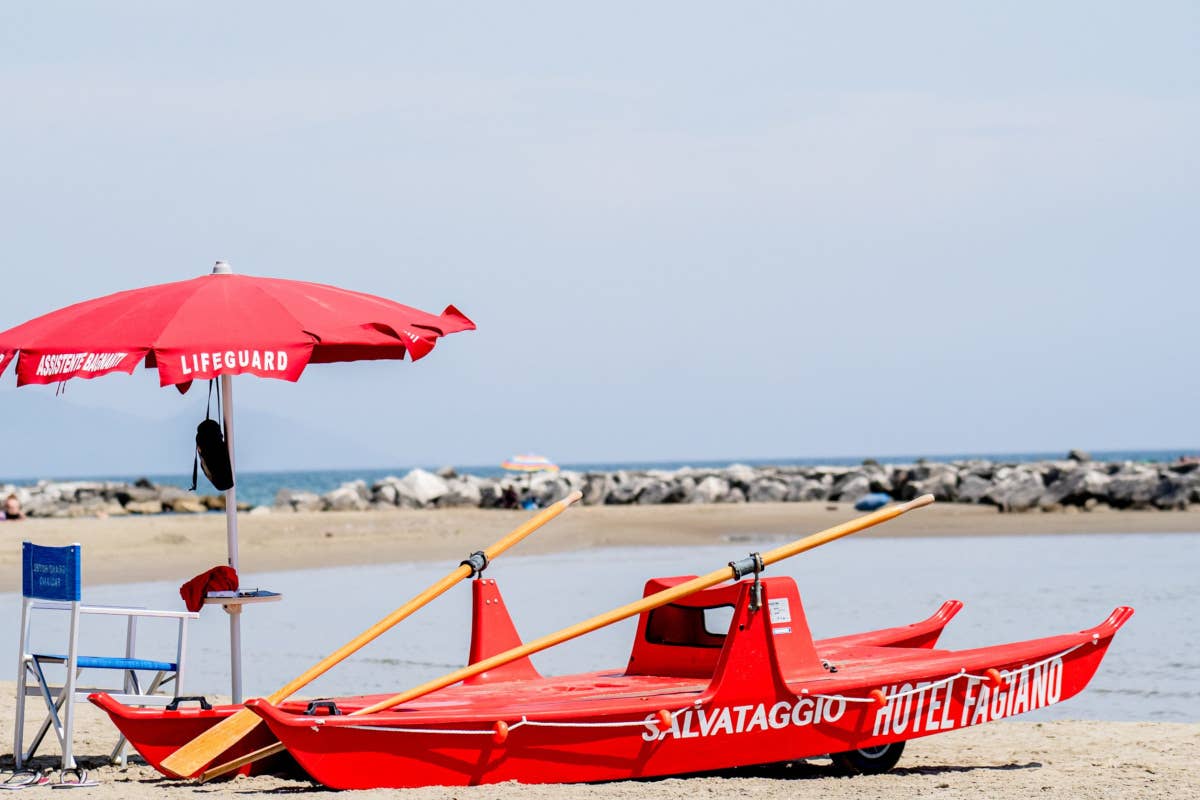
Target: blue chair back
(51,573)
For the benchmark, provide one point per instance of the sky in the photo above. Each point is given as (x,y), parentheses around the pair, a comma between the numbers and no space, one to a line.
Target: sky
(684,230)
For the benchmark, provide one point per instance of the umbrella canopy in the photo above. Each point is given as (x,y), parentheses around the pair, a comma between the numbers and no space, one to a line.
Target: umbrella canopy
(529,462)
(221,325)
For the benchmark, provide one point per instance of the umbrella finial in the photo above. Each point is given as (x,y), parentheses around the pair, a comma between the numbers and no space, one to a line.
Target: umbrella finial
(221,268)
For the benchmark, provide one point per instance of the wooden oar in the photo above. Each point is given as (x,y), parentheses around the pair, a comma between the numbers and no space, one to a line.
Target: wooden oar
(188,759)
(645,604)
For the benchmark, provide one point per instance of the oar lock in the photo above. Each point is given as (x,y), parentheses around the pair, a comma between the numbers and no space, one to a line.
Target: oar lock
(477,561)
(752,563)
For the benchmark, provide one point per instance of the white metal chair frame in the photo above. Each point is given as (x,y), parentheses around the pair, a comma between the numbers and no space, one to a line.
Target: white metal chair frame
(60,700)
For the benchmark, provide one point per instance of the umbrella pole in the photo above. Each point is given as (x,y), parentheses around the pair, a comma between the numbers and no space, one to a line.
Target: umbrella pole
(231,529)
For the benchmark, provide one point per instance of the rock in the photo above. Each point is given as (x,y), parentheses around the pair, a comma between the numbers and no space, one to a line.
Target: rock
(548,487)
(767,490)
(806,490)
(187,505)
(851,487)
(1079,455)
(654,492)
(1020,492)
(386,493)
(420,488)
(974,489)
(939,480)
(344,498)
(292,500)
(1134,487)
(596,486)
(1075,486)
(113,509)
(740,475)
(710,490)
(144,483)
(462,493)
(446,473)
(169,494)
(1173,492)
(144,507)
(624,488)
(213,502)
(880,479)
(136,494)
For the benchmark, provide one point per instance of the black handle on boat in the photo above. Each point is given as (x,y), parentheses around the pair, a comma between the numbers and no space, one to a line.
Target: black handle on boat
(195,698)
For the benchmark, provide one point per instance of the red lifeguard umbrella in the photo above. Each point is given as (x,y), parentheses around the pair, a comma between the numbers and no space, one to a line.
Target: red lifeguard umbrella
(221,325)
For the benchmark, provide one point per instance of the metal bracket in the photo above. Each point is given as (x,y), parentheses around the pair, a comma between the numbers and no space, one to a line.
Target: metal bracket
(751,564)
(477,561)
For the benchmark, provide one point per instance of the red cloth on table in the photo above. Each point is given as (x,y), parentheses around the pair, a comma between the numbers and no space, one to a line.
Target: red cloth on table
(217,579)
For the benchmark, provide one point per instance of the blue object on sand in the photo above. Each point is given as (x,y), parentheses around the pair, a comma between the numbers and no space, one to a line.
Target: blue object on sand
(873,501)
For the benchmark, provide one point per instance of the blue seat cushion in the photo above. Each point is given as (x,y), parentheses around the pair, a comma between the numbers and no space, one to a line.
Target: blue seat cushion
(104,662)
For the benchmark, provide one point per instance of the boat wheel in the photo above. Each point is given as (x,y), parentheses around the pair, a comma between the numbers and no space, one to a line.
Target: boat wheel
(869,760)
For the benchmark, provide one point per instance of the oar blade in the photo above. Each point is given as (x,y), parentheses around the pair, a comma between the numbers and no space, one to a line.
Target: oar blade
(188,760)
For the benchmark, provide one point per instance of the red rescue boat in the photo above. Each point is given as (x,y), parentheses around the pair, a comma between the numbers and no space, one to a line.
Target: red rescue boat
(725,677)
(721,675)
(155,733)
(696,698)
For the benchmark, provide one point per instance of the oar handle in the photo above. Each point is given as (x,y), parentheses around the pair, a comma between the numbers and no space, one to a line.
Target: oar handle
(240,761)
(188,760)
(465,570)
(645,604)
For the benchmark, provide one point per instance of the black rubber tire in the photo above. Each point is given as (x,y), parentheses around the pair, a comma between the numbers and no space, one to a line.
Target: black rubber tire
(870,761)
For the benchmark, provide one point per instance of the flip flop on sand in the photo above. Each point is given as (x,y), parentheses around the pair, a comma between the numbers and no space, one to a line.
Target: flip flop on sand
(24,779)
(73,779)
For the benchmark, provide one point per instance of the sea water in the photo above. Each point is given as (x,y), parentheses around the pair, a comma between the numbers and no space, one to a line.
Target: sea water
(1014,588)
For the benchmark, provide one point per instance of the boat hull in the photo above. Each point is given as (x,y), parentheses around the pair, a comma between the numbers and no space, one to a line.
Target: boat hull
(746,716)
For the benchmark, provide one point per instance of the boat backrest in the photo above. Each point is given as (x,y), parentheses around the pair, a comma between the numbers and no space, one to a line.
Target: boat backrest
(685,638)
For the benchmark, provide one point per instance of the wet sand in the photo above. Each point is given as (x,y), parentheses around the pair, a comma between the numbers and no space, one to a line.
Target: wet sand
(1055,760)
(175,547)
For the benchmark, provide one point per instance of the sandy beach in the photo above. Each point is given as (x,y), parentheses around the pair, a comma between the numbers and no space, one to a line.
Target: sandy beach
(178,546)
(1061,759)
(1056,760)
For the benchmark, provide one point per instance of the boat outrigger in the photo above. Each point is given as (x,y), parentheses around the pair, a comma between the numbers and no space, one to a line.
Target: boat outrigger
(720,675)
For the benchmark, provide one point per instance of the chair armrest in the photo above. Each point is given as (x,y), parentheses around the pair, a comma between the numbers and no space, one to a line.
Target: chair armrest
(125,611)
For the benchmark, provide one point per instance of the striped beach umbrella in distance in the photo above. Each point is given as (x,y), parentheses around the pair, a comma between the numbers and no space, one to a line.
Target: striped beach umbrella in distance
(529,464)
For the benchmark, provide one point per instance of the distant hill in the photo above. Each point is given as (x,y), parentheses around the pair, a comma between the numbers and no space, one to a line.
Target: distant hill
(109,442)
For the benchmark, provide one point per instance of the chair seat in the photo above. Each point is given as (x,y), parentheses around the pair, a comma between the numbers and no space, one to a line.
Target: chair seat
(104,662)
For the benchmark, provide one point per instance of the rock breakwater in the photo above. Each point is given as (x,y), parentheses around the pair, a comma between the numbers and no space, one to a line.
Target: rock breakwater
(1069,484)
(109,499)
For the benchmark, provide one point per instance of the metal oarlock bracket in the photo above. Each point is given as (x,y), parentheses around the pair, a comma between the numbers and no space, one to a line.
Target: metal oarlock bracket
(752,563)
(477,561)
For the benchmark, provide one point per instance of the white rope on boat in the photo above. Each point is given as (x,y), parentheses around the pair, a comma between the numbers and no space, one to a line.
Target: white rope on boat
(386,729)
(638,723)
(962,673)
